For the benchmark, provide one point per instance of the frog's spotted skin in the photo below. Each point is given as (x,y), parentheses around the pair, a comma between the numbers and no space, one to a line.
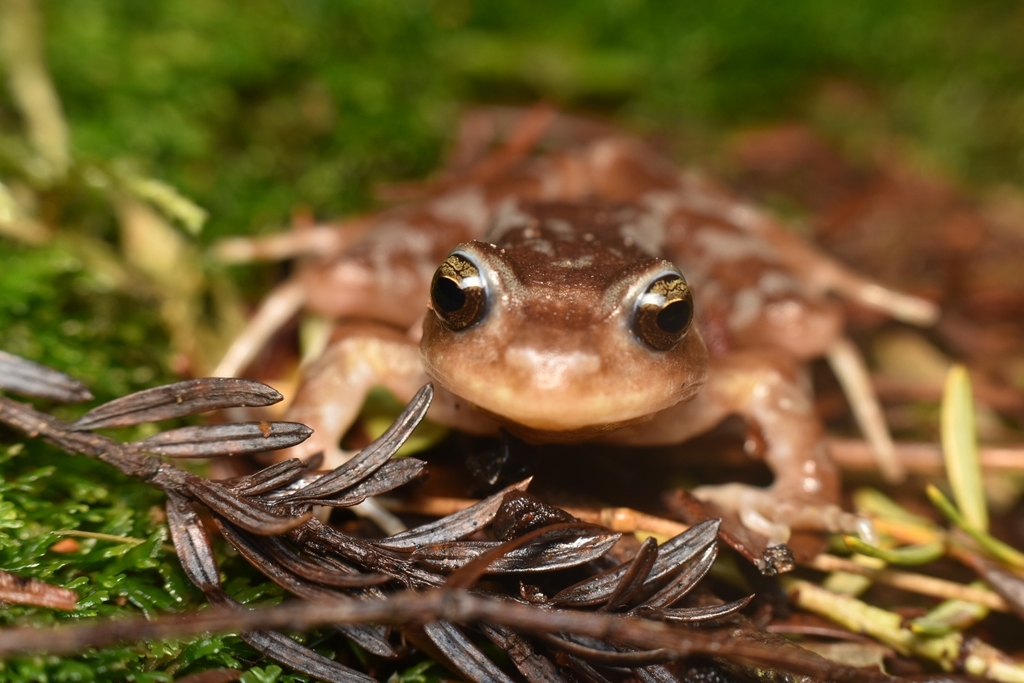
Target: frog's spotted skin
(563,287)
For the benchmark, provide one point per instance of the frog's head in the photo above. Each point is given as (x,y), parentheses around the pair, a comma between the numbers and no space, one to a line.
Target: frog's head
(554,347)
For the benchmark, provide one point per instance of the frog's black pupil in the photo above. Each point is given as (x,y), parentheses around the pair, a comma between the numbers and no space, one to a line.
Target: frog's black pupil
(674,317)
(448,296)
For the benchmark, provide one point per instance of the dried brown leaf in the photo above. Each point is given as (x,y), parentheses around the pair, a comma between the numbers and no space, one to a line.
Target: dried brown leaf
(556,547)
(242,511)
(224,440)
(270,478)
(390,476)
(521,513)
(29,591)
(332,576)
(454,526)
(463,654)
(694,614)
(178,400)
(251,548)
(25,378)
(688,576)
(373,456)
(671,554)
(191,543)
(535,667)
(635,576)
(283,649)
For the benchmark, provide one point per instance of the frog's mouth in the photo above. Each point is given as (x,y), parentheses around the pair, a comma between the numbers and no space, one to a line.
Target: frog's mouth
(552,412)
(554,427)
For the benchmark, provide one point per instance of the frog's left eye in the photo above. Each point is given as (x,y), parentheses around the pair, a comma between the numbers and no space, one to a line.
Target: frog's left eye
(663,312)
(457,293)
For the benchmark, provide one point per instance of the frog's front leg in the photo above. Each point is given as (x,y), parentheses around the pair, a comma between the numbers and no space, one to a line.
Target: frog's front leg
(362,356)
(769,391)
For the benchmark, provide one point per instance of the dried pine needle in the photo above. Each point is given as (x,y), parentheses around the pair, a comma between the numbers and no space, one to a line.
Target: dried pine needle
(99,537)
(949,650)
(912,582)
(884,626)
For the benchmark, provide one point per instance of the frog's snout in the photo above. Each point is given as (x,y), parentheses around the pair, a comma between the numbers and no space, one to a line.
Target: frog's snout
(552,370)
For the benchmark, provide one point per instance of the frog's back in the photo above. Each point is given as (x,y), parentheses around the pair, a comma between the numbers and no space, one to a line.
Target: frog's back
(744,294)
(603,205)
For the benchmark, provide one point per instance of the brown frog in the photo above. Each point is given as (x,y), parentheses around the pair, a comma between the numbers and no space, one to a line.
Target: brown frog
(594,293)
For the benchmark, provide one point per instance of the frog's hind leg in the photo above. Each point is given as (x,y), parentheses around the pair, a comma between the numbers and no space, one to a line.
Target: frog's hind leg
(823,274)
(833,277)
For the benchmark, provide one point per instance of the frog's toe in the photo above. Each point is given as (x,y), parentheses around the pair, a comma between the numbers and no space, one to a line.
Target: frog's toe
(775,516)
(756,507)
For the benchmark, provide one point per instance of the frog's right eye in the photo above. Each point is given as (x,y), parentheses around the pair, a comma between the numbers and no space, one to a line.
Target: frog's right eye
(663,312)
(458,294)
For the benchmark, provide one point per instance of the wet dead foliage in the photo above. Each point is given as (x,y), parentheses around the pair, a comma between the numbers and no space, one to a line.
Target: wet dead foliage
(565,600)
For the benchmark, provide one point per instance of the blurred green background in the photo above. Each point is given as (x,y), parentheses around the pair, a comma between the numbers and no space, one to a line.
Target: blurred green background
(251,109)
(254,109)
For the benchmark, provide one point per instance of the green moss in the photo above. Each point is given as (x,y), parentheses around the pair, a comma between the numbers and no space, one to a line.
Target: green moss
(58,312)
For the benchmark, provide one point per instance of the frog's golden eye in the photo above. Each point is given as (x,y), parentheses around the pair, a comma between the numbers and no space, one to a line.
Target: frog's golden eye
(663,312)
(457,293)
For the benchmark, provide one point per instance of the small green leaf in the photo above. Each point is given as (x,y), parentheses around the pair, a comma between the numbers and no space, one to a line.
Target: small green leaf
(203,647)
(950,616)
(994,546)
(960,448)
(905,555)
(70,670)
(882,625)
(168,199)
(845,583)
(424,672)
(270,674)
